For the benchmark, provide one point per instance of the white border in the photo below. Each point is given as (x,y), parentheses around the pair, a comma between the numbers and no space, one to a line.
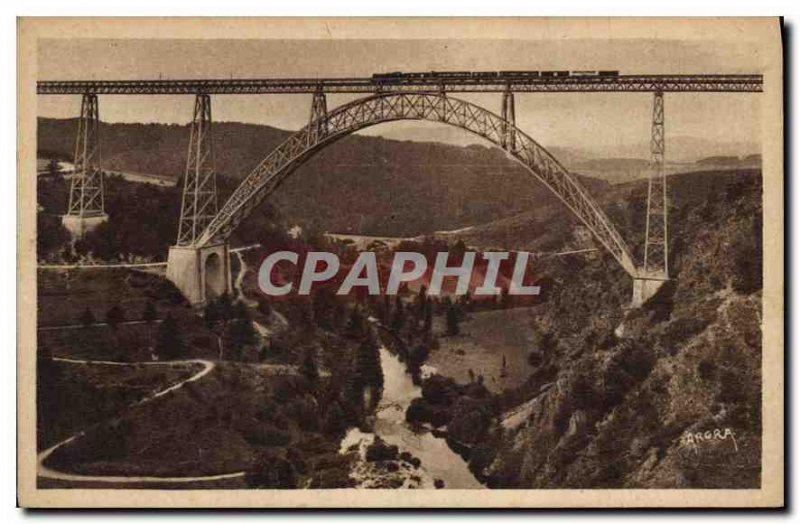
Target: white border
(320,8)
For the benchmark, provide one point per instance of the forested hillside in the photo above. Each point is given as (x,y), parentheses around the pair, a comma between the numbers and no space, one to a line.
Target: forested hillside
(361,184)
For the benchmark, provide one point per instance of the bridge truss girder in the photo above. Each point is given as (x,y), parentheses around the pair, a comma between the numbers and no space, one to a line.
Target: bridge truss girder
(387,107)
(622,83)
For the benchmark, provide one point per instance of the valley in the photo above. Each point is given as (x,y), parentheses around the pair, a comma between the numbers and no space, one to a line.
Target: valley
(572,390)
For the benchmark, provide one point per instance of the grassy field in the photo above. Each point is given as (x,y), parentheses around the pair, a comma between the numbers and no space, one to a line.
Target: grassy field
(485,338)
(224,423)
(63,296)
(74,396)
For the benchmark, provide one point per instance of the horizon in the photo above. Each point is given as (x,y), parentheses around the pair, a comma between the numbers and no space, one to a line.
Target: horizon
(743,149)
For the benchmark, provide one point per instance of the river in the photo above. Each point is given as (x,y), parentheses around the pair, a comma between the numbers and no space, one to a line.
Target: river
(438,460)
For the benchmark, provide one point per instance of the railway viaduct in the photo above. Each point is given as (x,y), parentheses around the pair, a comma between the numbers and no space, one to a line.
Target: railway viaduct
(199,263)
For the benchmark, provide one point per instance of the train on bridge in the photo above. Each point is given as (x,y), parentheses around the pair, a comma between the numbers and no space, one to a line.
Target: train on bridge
(492,76)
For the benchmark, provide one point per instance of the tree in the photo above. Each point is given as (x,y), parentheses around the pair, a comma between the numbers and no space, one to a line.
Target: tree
(452,321)
(114,316)
(368,375)
(335,423)
(428,316)
(323,306)
(309,369)
(169,343)
(272,472)
(211,314)
(51,236)
(53,168)
(149,314)
(505,298)
(356,323)
(398,316)
(238,334)
(225,307)
(239,310)
(264,307)
(86,318)
(105,242)
(420,302)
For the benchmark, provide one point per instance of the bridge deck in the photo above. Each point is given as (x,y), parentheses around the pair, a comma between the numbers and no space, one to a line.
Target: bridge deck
(622,83)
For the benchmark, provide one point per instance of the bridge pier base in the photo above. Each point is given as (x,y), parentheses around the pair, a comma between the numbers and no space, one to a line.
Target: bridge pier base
(644,289)
(79,225)
(201,274)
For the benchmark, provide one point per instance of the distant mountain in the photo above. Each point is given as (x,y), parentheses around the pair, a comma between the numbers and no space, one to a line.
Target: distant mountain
(622,170)
(684,149)
(362,184)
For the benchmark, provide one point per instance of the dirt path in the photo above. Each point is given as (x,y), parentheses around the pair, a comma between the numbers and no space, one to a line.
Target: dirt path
(133,265)
(97,324)
(48,473)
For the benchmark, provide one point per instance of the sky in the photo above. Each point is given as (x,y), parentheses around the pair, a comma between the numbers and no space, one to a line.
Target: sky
(605,123)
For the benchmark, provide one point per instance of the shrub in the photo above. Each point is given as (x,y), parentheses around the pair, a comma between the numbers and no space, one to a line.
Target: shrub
(379,450)
(439,390)
(267,435)
(272,472)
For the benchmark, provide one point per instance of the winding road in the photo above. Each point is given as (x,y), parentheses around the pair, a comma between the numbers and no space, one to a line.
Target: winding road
(49,473)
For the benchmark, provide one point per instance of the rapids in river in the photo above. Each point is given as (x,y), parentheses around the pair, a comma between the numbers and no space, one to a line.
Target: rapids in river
(438,460)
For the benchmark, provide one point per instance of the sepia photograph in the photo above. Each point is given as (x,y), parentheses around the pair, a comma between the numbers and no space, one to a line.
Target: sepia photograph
(395,262)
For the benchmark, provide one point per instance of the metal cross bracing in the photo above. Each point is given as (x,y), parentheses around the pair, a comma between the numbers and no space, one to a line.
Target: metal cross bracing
(86,197)
(498,84)
(317,121)
(656,251)
(199,200)
(387,107)
(508,115)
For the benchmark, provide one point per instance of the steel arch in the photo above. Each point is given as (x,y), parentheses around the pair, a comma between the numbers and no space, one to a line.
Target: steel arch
(435,107)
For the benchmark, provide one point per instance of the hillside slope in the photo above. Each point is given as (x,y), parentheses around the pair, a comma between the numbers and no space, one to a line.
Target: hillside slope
(361,184)
(611,402)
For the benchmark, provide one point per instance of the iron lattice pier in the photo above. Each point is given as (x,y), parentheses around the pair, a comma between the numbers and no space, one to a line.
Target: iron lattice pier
(86,197)
(656,249)
(199,200)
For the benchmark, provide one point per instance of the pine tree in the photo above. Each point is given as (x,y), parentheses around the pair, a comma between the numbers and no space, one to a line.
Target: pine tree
(355,324)
(86,318)
(238,334)
(114,316)
(149,314)
(452,321)
(309,370)
(368,371)
(169,343)
(398,318)
(211,314)
(53,169)
(335,422)
(428,317)
(505,298)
